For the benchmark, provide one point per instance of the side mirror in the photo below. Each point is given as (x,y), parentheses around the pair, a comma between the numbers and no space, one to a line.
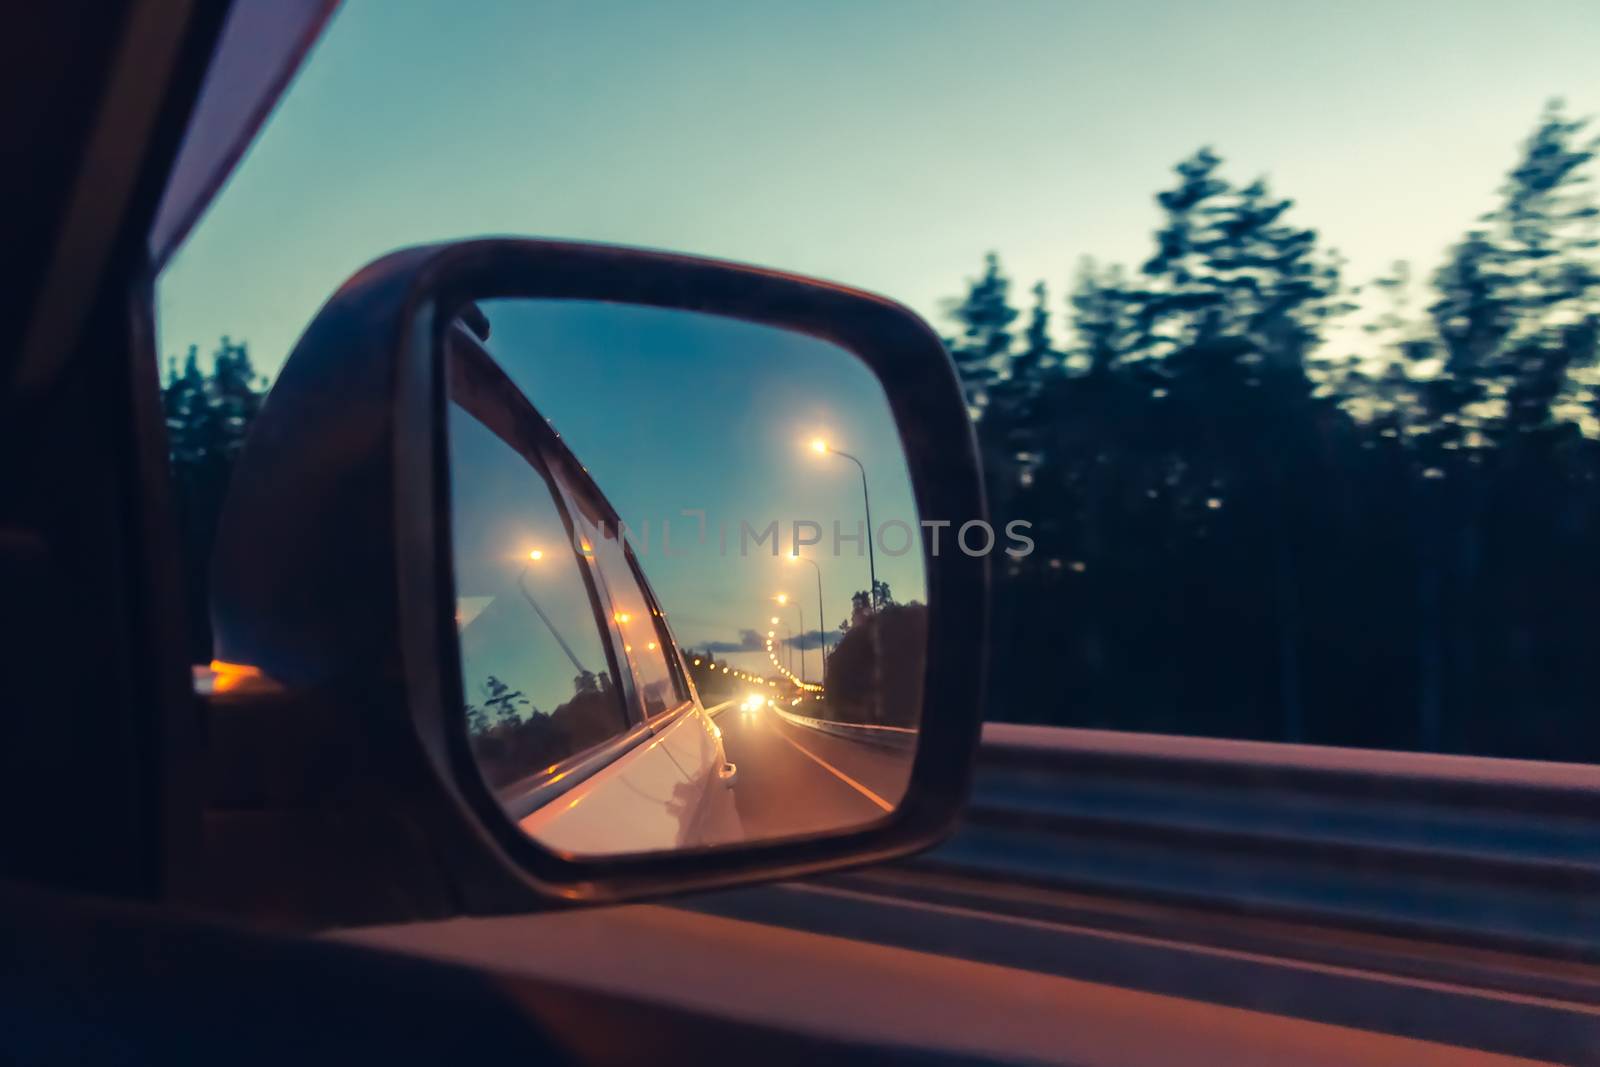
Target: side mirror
(555,572)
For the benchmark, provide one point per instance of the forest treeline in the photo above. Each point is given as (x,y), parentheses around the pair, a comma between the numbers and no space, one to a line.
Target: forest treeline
(1273,504)
(1269,501)
(208,414)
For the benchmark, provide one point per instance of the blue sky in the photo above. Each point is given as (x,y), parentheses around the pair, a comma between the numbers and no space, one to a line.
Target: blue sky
(885,143)
(673,410)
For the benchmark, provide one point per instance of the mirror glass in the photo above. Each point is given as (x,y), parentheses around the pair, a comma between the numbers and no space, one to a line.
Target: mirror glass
(674,630)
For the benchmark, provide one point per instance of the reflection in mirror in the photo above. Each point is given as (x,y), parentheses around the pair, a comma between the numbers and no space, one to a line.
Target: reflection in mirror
(674,630)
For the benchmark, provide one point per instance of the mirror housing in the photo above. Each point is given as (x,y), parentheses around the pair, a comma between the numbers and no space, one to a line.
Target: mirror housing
(341,787)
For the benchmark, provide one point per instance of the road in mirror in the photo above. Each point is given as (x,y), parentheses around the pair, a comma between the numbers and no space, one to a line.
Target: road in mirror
(674,628)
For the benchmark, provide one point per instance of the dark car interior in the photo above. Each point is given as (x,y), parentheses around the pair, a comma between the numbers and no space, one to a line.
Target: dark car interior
(119,948)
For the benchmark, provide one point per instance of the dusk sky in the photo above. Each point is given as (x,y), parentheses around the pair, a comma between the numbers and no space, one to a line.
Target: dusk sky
(673,410)
(886,144)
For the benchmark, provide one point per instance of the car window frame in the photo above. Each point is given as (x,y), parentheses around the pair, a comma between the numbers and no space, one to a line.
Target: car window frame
(669,648)
(554,464)
(611,525)
(581,496)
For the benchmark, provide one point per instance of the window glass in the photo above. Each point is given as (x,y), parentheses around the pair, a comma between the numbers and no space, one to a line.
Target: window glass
(643,635)
(1290,365)
(534,667)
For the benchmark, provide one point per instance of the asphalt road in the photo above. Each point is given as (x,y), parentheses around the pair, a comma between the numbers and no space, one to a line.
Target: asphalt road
(796,780)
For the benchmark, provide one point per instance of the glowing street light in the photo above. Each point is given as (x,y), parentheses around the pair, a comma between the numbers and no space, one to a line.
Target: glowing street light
(788,651)
(783,598)
(533,557)
(822,629)
(822,448)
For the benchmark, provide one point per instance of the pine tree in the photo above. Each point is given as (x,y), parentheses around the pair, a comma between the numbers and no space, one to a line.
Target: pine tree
(236,393)
(503,701)
(1279,290)
(1037,353)
(882,597)
(1544,258)
(1011,418)
(1180,301)
(1546,224)
(208,417)
(1515,295)
(190,420)
(860,611)
(1235,299)
(1230,277)
(983,346)
(1100,317)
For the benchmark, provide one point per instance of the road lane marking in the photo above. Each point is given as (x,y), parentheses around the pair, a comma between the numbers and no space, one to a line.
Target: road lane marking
(715,709)
(823,724)
(837,773)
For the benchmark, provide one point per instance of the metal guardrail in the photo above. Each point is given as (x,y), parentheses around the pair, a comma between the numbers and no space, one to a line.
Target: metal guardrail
(1497,853)
(867,733)
(1448,899)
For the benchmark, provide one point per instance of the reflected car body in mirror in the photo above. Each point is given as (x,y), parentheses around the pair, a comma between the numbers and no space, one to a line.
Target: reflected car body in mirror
(616,750)
(483,691)
(591,744)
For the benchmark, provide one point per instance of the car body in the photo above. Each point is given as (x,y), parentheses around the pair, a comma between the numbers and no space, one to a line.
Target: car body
(644,769)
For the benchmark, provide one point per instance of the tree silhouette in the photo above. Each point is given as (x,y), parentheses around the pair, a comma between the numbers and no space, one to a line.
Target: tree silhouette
(875,672)
(1251,519)
(1100,315)
(1247,529)
(1038,353)
(502,702)
(207,417)
(982,348)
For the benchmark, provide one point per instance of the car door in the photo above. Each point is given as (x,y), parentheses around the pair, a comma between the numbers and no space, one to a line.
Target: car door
(621,757)
(686,728)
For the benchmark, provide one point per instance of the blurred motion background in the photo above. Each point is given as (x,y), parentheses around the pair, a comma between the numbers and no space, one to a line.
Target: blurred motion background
(1278,322)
